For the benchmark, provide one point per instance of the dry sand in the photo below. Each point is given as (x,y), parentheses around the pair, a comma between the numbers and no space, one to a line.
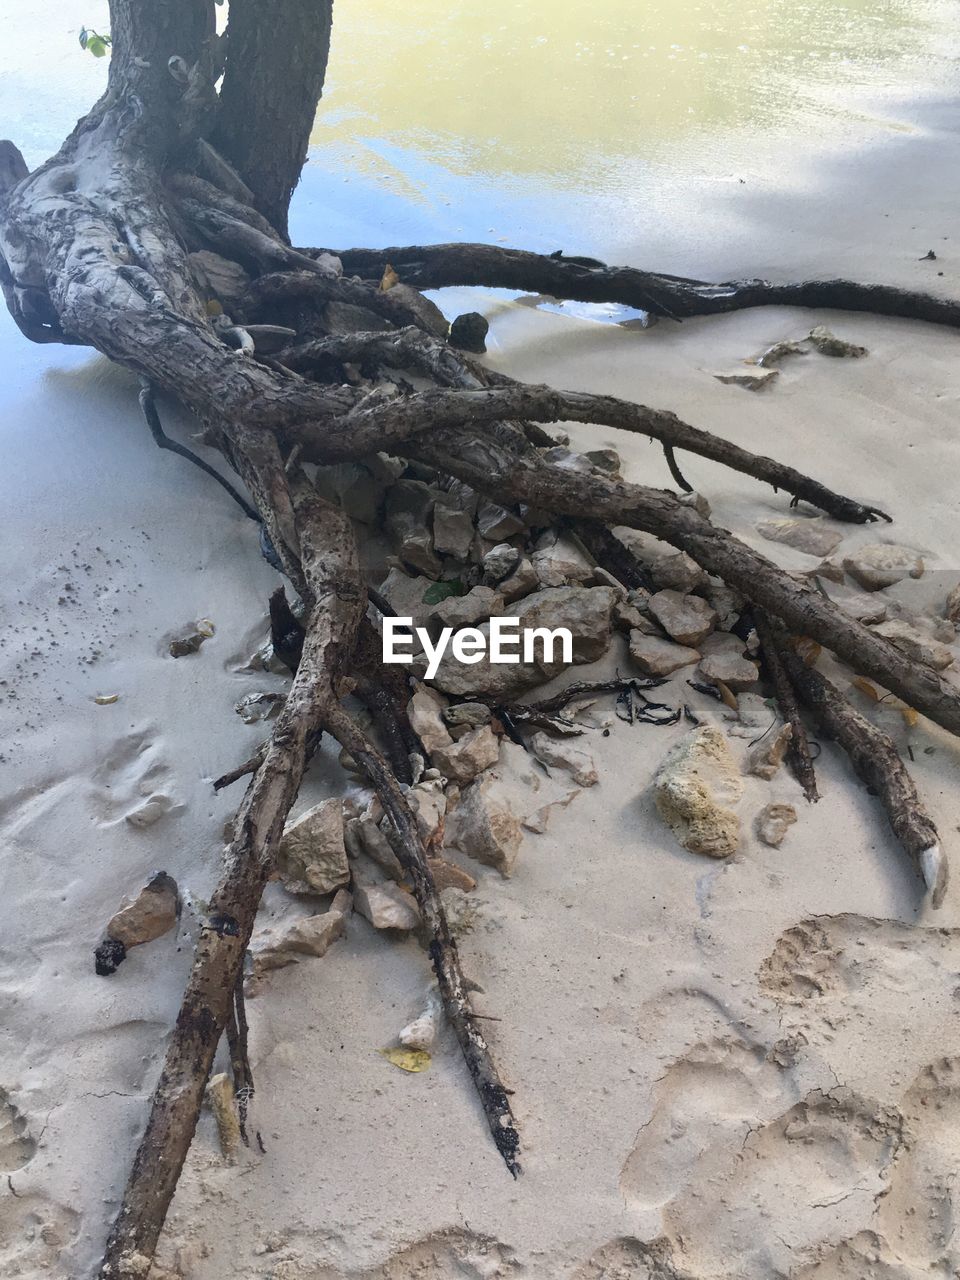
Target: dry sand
(744,1069)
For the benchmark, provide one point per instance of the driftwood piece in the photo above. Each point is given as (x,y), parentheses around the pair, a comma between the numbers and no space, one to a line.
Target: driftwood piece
(875,759)
(409,849)
(772,642)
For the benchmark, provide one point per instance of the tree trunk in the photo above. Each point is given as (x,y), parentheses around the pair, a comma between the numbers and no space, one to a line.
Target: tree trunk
(276,61)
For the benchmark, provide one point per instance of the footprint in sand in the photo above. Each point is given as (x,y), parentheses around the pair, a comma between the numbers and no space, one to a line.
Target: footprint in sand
(710,1098)
(132,783)
(17,1147)
(805,1181)
(920,1217)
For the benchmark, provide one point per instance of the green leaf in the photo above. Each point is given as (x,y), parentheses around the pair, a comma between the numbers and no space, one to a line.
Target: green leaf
(97,46)
(438,591)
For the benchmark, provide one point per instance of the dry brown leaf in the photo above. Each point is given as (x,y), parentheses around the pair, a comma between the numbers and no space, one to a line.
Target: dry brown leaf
(910,716)
(808,651)
(866,687)
(728,696)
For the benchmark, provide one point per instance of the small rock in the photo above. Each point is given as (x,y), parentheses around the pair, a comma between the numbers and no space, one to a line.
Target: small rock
(699,503)
(467,715)
(407,519)
(686,619)
(755,380)
(463,760)
(311,857)
(727,603)
(773,822)
(520,582)
(915,644)
(565,459)
(562,754)
(430,803)
(604,460)
(422,1031)
(557,560)
(447,875)
(484,827)
(469,332)
(881,564)
(405,593)
(275,948)
(828,344)
(152,914)
(814,537)
(677,572)
(867,607)
(152,810)
(255,707)
(723,660)
(478,605)
(452,532)
(694,789)
(500,561)
(766,757)
(773,355)
(387,906)
(951,610)
(496,523)
(425,714)
(538,820)
(656,657)
(362,837)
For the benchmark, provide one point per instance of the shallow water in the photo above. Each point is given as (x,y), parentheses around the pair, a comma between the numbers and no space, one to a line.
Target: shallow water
(547,118)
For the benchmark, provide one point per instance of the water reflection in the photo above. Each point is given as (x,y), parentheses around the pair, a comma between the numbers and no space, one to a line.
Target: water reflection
(573,93)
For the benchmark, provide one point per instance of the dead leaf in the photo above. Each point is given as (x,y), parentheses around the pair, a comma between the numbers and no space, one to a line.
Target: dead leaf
(728,696)
(106,699)
(390,278)
(808,651)
(910,716)
(407,1059)
(866,687)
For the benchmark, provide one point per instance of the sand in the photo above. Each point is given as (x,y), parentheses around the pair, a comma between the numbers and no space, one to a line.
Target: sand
(746,1069)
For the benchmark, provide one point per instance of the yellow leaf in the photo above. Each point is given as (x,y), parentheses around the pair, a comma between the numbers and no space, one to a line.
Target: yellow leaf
(390,278)
(106,699)
(728,696)
(866,687)
(909,715)
(808,650)
(214,308)
(407,1059)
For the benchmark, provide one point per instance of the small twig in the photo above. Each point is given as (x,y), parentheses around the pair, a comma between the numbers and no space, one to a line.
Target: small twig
(675,470)
(242,770)
(163,441)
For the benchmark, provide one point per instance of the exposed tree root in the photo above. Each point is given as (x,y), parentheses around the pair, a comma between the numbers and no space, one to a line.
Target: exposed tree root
(875,759)
(772,642)
(586,280)
(409,849)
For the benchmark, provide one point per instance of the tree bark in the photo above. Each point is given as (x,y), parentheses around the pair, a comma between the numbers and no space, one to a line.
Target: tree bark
(276,63)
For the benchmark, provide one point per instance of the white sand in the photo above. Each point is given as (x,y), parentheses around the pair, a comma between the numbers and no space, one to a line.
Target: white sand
(753,1062)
